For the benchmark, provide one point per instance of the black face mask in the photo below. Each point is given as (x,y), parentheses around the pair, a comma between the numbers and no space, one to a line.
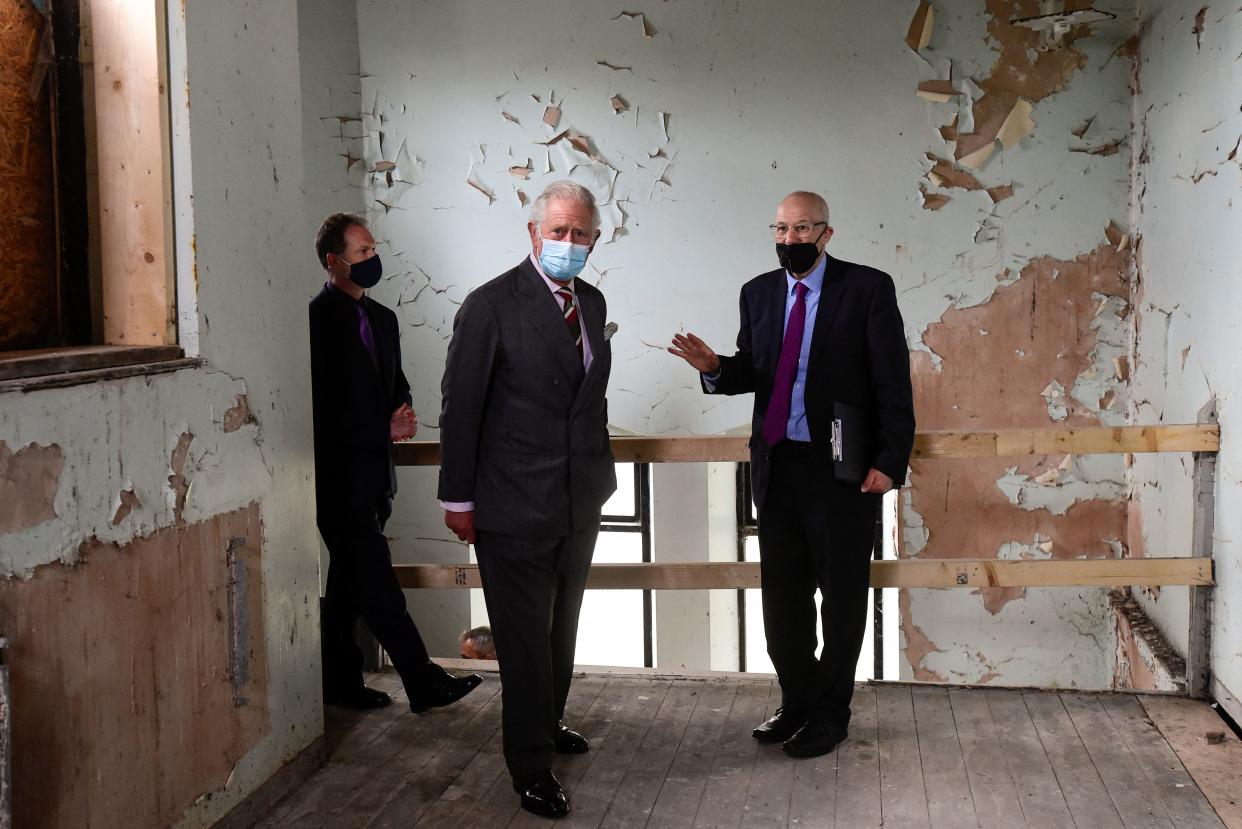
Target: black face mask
(800,256)
(366,273)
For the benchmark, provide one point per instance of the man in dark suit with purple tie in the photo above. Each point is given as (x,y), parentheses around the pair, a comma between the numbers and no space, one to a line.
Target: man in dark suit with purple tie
(361,404)
(822,346)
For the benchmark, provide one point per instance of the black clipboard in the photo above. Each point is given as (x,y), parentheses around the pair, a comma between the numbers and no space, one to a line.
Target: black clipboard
(851,443)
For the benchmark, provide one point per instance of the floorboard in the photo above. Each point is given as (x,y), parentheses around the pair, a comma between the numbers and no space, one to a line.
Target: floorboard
(677,752)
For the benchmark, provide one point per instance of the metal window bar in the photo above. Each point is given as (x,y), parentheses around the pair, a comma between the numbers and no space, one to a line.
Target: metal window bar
(638,520)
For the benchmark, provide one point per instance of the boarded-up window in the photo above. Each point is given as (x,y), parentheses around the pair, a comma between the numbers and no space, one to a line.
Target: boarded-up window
(28,273)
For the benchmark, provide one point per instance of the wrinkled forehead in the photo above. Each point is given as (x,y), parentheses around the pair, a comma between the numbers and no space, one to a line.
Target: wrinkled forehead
(793,211)
(567,212)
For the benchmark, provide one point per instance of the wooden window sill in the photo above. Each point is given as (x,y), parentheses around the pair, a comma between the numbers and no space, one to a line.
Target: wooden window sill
(59,367)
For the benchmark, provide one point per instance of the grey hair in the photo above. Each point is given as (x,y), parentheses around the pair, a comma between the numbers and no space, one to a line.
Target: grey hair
(568,191)
(482,638)
(814,198)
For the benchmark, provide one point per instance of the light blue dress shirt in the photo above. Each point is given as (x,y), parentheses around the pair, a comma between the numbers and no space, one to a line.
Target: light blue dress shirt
(797,428)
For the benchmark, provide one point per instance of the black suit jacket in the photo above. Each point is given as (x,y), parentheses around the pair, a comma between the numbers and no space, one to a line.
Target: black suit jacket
(353,399)
(524,429)
(858,356)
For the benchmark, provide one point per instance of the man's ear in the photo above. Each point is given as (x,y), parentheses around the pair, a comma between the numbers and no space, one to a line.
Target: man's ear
(594,240)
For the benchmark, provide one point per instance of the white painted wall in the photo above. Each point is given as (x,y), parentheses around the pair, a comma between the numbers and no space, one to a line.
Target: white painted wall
(1187,125)
(760,99)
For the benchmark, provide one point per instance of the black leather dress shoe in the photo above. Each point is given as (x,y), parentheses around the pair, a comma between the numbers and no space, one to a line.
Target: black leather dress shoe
(438,688)
(570,742)
(814,739)
(783,725)
(362,697)
(542,794)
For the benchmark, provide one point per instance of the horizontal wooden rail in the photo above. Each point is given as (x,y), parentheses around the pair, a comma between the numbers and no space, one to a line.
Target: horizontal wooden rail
(1083,440)
(1092,572)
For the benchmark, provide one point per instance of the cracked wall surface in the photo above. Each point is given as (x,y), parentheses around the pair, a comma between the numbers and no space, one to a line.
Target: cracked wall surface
(979,170)
(1187,129)
(136,491)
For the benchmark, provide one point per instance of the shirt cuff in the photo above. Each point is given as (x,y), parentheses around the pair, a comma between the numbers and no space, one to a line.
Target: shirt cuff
(710,380)
(458,506)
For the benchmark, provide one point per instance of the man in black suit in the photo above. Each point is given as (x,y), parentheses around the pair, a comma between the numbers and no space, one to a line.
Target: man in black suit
(361,403)
(821,340)
(526,469)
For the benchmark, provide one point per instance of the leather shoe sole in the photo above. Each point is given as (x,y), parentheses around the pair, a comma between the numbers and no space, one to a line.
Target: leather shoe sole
(779,728)
(814,740)
(568,741)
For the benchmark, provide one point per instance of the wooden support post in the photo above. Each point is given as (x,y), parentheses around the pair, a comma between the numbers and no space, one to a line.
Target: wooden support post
(1199,651)
(131,106)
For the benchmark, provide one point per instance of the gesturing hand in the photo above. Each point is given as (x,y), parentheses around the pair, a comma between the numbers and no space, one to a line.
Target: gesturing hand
(404,423)
(695,352)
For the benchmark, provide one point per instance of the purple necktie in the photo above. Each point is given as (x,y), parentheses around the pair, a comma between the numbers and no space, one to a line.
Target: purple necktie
(777,419)
(364,332)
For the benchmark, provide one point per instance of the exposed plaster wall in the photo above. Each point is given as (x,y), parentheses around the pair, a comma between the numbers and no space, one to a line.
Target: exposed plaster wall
(1187,127)
(690,122)
(156,458)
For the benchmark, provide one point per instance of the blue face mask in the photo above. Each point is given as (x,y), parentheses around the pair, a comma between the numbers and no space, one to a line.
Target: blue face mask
(367,273)
(562,261)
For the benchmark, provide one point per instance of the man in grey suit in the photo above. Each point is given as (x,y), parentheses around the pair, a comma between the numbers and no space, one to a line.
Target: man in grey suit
(526,469)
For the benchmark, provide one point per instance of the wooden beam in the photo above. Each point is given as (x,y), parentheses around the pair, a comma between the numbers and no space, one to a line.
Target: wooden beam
(48,361)
(1095,572)
(131,110)
(1084,440)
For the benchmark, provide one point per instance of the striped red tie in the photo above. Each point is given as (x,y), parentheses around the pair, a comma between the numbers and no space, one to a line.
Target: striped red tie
(571,316)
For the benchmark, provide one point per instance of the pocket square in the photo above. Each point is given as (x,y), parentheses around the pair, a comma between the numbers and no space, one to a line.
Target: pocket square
(609,330)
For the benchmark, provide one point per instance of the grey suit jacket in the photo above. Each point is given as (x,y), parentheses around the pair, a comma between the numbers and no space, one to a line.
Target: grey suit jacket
(523,428)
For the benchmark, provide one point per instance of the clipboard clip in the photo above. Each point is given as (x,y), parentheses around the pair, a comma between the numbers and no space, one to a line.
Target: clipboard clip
(836,439)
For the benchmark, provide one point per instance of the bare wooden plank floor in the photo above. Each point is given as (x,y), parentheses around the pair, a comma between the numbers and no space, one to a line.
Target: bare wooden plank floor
(674,752)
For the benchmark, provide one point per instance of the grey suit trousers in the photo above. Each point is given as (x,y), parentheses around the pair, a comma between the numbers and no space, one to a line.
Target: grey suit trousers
(533,588)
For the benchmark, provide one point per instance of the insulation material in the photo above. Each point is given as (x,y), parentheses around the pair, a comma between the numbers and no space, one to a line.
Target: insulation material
(27,186)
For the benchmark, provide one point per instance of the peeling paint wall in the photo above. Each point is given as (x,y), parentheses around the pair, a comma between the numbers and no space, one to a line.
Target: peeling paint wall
(128,493)
(989,177)
(1187,128)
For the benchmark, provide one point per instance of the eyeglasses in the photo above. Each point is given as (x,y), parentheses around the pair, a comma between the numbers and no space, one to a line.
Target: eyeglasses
(801,231)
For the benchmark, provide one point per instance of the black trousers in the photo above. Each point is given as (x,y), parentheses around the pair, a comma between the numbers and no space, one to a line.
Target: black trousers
(361,583)
(815,532)
(533,588)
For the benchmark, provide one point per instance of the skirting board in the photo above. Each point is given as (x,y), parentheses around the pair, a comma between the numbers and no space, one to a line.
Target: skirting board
(1227,700)
(270,792)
